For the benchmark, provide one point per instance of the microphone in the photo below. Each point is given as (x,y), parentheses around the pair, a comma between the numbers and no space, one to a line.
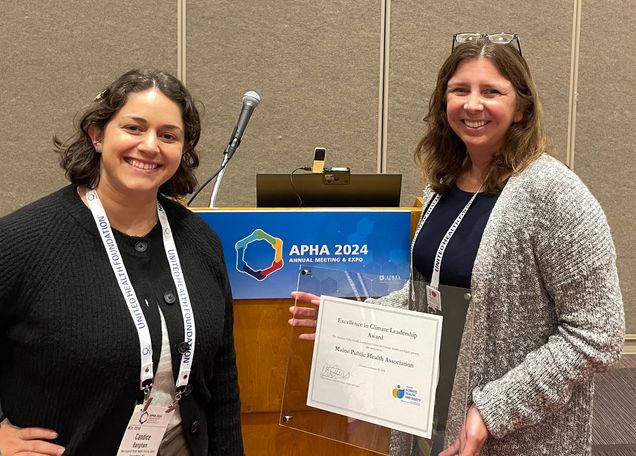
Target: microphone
(250,101)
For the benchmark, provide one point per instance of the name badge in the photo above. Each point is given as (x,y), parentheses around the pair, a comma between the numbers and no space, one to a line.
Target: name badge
(145,431)
(433,298)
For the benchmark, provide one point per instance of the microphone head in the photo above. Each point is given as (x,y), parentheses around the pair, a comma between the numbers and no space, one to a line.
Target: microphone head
(251,98)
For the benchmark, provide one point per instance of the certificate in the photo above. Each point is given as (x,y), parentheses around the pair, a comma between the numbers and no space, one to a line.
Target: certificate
(376,363)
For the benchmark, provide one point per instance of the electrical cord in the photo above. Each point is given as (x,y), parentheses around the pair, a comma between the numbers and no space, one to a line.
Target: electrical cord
(194,195)
(291,181)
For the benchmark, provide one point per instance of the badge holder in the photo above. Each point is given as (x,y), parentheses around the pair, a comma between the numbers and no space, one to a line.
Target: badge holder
(452,396)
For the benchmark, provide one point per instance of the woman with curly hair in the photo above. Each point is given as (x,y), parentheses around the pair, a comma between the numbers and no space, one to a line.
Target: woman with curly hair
(115,306)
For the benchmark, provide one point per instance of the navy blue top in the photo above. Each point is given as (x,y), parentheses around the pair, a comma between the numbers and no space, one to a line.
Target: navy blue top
(459,257)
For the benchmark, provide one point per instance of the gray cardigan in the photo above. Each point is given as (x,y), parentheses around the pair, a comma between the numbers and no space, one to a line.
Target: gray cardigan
(546,313)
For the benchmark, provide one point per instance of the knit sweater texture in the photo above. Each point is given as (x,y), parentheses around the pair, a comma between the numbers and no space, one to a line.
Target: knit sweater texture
(546,314)
(69,357)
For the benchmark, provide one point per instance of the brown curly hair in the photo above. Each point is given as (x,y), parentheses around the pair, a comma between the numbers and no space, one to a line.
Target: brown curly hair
(77,155)
(441,153)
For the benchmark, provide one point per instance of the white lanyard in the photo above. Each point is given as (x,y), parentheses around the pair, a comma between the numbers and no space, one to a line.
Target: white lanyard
(437,264)
(128,292)
(447,237)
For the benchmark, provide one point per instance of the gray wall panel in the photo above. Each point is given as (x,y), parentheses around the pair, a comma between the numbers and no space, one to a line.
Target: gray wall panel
(604,153)
(316,67)
(57,55)
(421,35)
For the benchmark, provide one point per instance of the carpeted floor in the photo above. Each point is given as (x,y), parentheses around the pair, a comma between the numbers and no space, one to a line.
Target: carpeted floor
(614,422)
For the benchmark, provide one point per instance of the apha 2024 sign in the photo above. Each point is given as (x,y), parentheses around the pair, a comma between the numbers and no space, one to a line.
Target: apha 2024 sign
(265,249)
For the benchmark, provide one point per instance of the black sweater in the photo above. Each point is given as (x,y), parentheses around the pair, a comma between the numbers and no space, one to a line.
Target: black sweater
(69,354)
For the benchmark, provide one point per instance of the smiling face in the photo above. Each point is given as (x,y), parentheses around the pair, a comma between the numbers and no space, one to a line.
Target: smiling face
(141,146)
(480,106)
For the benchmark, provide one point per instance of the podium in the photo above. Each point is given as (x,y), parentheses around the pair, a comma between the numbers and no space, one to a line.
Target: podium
(261,332)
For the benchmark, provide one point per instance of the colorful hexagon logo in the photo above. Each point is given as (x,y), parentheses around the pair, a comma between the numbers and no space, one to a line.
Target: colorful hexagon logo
(259,235)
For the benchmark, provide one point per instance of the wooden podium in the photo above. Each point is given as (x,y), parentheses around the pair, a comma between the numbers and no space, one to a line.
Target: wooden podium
(261,337)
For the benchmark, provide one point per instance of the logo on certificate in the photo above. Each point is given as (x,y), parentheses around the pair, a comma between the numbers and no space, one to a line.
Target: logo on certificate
(398,392)
(273,255)
(407,394)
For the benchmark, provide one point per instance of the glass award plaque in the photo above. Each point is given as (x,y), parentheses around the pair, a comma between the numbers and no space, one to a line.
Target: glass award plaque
(369,365)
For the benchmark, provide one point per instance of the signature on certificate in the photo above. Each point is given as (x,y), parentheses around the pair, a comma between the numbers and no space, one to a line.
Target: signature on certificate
(335,372)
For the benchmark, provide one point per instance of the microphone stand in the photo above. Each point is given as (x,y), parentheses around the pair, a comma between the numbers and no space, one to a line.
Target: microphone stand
(217,183)
(250,101)
(227,155)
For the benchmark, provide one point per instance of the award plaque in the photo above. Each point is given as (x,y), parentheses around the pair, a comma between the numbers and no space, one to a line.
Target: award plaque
(375,367)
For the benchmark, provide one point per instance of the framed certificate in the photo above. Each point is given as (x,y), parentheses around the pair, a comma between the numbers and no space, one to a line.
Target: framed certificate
(371,370)
(374,368)
(376,363)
